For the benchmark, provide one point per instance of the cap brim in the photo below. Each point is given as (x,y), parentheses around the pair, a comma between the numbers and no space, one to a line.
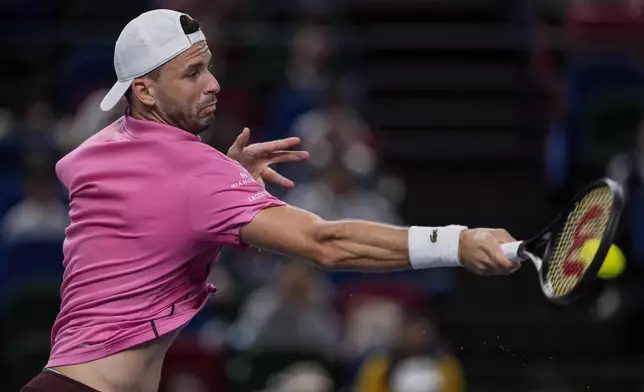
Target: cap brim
(114,95)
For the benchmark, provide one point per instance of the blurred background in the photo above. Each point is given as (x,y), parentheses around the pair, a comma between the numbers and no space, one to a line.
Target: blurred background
(488,113)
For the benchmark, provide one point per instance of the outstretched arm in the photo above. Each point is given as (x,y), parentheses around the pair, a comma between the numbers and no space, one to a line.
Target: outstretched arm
(369,246)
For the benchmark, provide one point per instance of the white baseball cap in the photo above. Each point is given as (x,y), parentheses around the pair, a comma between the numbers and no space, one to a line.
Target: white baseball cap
(147,42)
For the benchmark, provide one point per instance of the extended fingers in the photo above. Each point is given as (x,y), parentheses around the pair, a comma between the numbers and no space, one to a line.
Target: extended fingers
(267,148)
(288,156)
(273,176)
(242,140)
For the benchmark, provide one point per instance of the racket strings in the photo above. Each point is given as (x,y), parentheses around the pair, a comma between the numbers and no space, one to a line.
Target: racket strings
(588,221)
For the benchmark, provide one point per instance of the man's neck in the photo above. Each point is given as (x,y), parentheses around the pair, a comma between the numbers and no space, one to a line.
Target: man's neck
(148,116)
(153,116)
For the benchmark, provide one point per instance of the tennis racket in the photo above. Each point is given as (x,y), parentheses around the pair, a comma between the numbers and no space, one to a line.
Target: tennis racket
(556,252)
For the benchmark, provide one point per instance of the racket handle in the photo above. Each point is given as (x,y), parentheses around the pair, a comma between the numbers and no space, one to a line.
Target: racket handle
(513,251)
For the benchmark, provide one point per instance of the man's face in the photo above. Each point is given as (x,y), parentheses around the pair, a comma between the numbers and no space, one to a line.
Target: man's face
(185,93)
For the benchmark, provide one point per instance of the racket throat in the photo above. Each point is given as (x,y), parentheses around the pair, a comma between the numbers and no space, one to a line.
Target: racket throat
(538,263)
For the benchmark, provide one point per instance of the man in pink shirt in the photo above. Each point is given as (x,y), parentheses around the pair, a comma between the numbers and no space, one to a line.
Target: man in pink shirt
(151,208)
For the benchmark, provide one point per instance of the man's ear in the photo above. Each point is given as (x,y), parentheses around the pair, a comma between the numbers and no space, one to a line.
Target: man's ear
(143,90)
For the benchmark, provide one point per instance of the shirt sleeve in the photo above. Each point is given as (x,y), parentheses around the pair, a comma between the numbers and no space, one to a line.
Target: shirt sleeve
(222,198)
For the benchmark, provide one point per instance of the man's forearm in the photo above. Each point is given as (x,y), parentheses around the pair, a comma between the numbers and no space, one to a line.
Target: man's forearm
(362,245)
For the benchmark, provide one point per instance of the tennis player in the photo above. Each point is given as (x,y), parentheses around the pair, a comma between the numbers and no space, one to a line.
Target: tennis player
(151,207)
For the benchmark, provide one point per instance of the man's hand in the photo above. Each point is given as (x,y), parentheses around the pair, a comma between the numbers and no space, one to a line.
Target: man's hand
(480,252)
(257,157)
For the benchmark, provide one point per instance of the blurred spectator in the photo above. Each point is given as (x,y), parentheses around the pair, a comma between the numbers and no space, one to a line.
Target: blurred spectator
(417,362)
(627,168)
(613,23)
(373,313)
(73,83)
(371,323)
(302,377)
(306,68)
(6,119)
(603,106)
(335,139)
(292,313)
(339,195)
(40,215)
(416,375)
(328,130)
(624,298)
(212,325)
(32,134)
(185,383)
(333,117)
(88,120)
(306,77)
(191,367)
(593,84)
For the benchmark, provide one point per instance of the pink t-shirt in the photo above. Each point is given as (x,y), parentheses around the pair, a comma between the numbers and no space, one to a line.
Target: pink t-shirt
(151,207)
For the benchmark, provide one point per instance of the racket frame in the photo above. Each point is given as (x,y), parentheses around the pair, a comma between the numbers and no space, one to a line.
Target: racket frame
(546,237)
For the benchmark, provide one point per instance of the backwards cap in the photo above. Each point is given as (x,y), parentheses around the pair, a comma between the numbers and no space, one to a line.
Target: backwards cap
(147,42)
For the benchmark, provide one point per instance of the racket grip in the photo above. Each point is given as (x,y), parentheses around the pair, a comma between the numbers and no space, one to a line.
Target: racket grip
(513,251)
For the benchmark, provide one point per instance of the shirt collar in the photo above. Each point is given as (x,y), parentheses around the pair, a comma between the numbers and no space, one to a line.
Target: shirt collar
(156,130)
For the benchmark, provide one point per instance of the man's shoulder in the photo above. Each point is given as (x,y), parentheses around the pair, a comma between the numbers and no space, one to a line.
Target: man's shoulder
(81,157)
(108,133)
(204,152)
(207,160)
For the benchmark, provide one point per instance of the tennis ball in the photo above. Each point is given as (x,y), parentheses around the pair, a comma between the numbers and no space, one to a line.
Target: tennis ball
(613,264)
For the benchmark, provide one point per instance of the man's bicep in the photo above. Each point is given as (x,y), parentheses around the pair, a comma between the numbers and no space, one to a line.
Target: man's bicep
(285,229)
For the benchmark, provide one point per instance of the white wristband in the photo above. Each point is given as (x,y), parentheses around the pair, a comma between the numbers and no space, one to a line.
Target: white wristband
(431,247)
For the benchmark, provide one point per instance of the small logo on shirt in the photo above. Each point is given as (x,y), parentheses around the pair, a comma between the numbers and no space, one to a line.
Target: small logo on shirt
(246,179)
(434,235)
(258,196)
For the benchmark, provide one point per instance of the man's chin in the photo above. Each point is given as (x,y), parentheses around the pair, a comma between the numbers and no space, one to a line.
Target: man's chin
(205,124)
